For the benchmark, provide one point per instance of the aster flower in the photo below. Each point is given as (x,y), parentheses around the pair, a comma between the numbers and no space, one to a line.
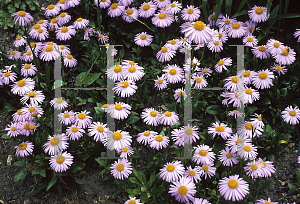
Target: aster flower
(49,53)
(125,88)
(185,26)
(250,27)
(247,76)
(279,69)
(23,17)
(120,139)
(115,10)
(162,19)
(130,12)
(19,116)
(121,169)
(203,154)
(235,97)
(189,133)
(162,3)
(234,82)
(297,34)
(74,132)
(201,201)
(173,73)
(200,81)
(263,79)
(27,127)
(207,170)
(133,201)
(172,171)
(174,7)
(183,189)
(211,19)
(228,157)
(133,72)
(222,64)
(274,46)
(58,103)
(237,30)
(165,54)
(53,25)
(169,118)
(263,201)
(287,57)
(103,3)
(151,116)
(215,46)
(80,23)
(62,4)
(147,9)
(32,110)
(63,18)
(178,94)
(119,111)
(250,40)
(52,10)
(70,61)
(103,38)
(205,72)
(234,140)
(64,50)
(28,56)
(13,55)
(199,33)
(226,23)
(126,152)
(98,130)
(220,129)
(67,117)
(87,33)
(233,188)
(24,149)
(246,150)
(60,163)
(291,115)
(56,144)
(64,33)
(267,168)
(13,129)
(116,73)
(191,13)
(43,23)
(20,41)
(173,44)
(257,121)
(193,174)
(258,14)
(8,76)
(145,137)
(143,39)
(158,142)
(249,95)
(178,137)
(22,86)
(254,169)
(72,3)
(261,52)
(82,120)
(248,127)
(221,35)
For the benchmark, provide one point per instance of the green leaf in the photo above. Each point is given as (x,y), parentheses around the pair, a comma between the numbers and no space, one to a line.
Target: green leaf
(218,8)
(274,12)
(271,157)
(132,119)
(290,15)
(51,183)
(41,171)
(137,191)
(91,78)
(155,47)
(47,75)
(213,109)
(243,12)
(292,187)
(240,6)
(19,163)
(287,2)
(298,177)
(204,9)
(162,133)
(143,189)
(79,181)
(134,180)
(4,136)
(79,78)
(151,180)
(122,53)
(78,167)
(269,129)
(269,4)
(20,176)
(228,5)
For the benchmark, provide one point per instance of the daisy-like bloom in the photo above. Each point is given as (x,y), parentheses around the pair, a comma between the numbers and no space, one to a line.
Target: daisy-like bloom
(126,152)
(53,25)
(103,38)
(267,168)
(191,13)
(168,118)
(174,7)
(67,117)
(162,3)
(291,115)
(237,138)
(201,201)
(234,82)
(263,79)
(82,119)
(235,113)
(87,33)
(233,188)
(173,73)
(261,52)
(120,139)
(250,41)
(24,149)
(258,14)
(200,81)
(173,44)
(130,12)
(274,46)
(64,50)
(103,3)
(249,95)
(19,116)
(222,64)
(22,86)
(147,9)
(238,30)
(185,26)
(32,110)
(23,17)
(133,72)
(250,27)
(257,121)
(104,107)
(158,142)
(52,10)
(254,169)
(63,18)
(125,88)
(297,34)
(184,189)
(70,61)
(80,23)
(189,133)
(211,19)
(145,137)
(279,69)
(220,35)
(12,129)
(116,73)
(121,169)
(49,53)
(235,97)
(58,103)
(226,23)
(178,94)
(9,76)
(287,56)
(60,163)
(193,174)
(203,154)
(172,171)
(133,201)
(27,127)
(228,157)
(248,128)
(143,39)
(20,41)
(263,201)
(62,4)
(207,170)
(125,2)
(98,130)
(119,111)
(178,137)
(43,23)
(204,71)
(199,33)
(116,10)
(28,56)
(73,3)
(56,144)
(64,33)
(74,132)
(13,55)
(220,129)
(246,76)
(38,31)
(215,46)
(162,19)
(165,54)
(246,150)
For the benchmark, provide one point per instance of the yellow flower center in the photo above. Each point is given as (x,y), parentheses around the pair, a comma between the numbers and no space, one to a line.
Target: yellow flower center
(54,20)
(105,105)
(221,62)
(227,22)
(79,19)
(114,6)
(202,152)
(198,80)
(259,10)
(74,129)
(41,21)
(125,149)
(168,114)
(279,68)
(13,128)
(160,81)
(51,6)
(26,126)
(172,71)
(199,25)
(228,155)
(170,168)
(164,49)
(118,69)
(239,141)
(69,56)
(172,5)
(132,202)
(180,94)
(162,16)
(204,70)
(276,44)
(235,79)
(118,107)
(100,129)
(246,73)
(66,115)
(159,138)
(205,168)
(236,111)
(220,129)
(7,74)
(129,11)
(147,133)
(64,29)
(192,173)
(143,37)
(220,35)
(60,159)
(62,14)
(247,148)
(28,53)
(292,113)
(131,63)
(19,112)
(189,131)
(182,190)
(124,84)
(248,126)
(184,39)
(173,42)
(263,75)
(81,116)
(250,39)
(233,183)
(267,202)
(261,48)
(285,52)
(216,42)
(59,100)
(31,109)
(259,118)
(236,26)
(13,52)
(146,7)
(117,136)
(251,29)
(132,69)
(190,11)
(249,91)
(18,38)
(21,13)
(22,146)
(264,163)
(32,44)
(48,48)
(34,114)
(153,113)
(54,141)
(253,166)
(212,17)
(120,167)
(21,83)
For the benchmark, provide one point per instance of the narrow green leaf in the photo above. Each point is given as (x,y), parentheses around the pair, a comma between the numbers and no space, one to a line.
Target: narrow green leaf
(47,75)
(79,181)
(237,14)
(266,185)
(213,109)
(20,176)
(132,119)
(151,180)
(218,9)
(19,163)
(41,171)
(269,4)
(271,157)
(134,180)
(79,78)
(287,2)
(155,47)
(240,7)
(51,183)
(292,187)
(204,7)
(274,12)
(4,136)
(228,5)
(298,177)
(289,15)
(143,189)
